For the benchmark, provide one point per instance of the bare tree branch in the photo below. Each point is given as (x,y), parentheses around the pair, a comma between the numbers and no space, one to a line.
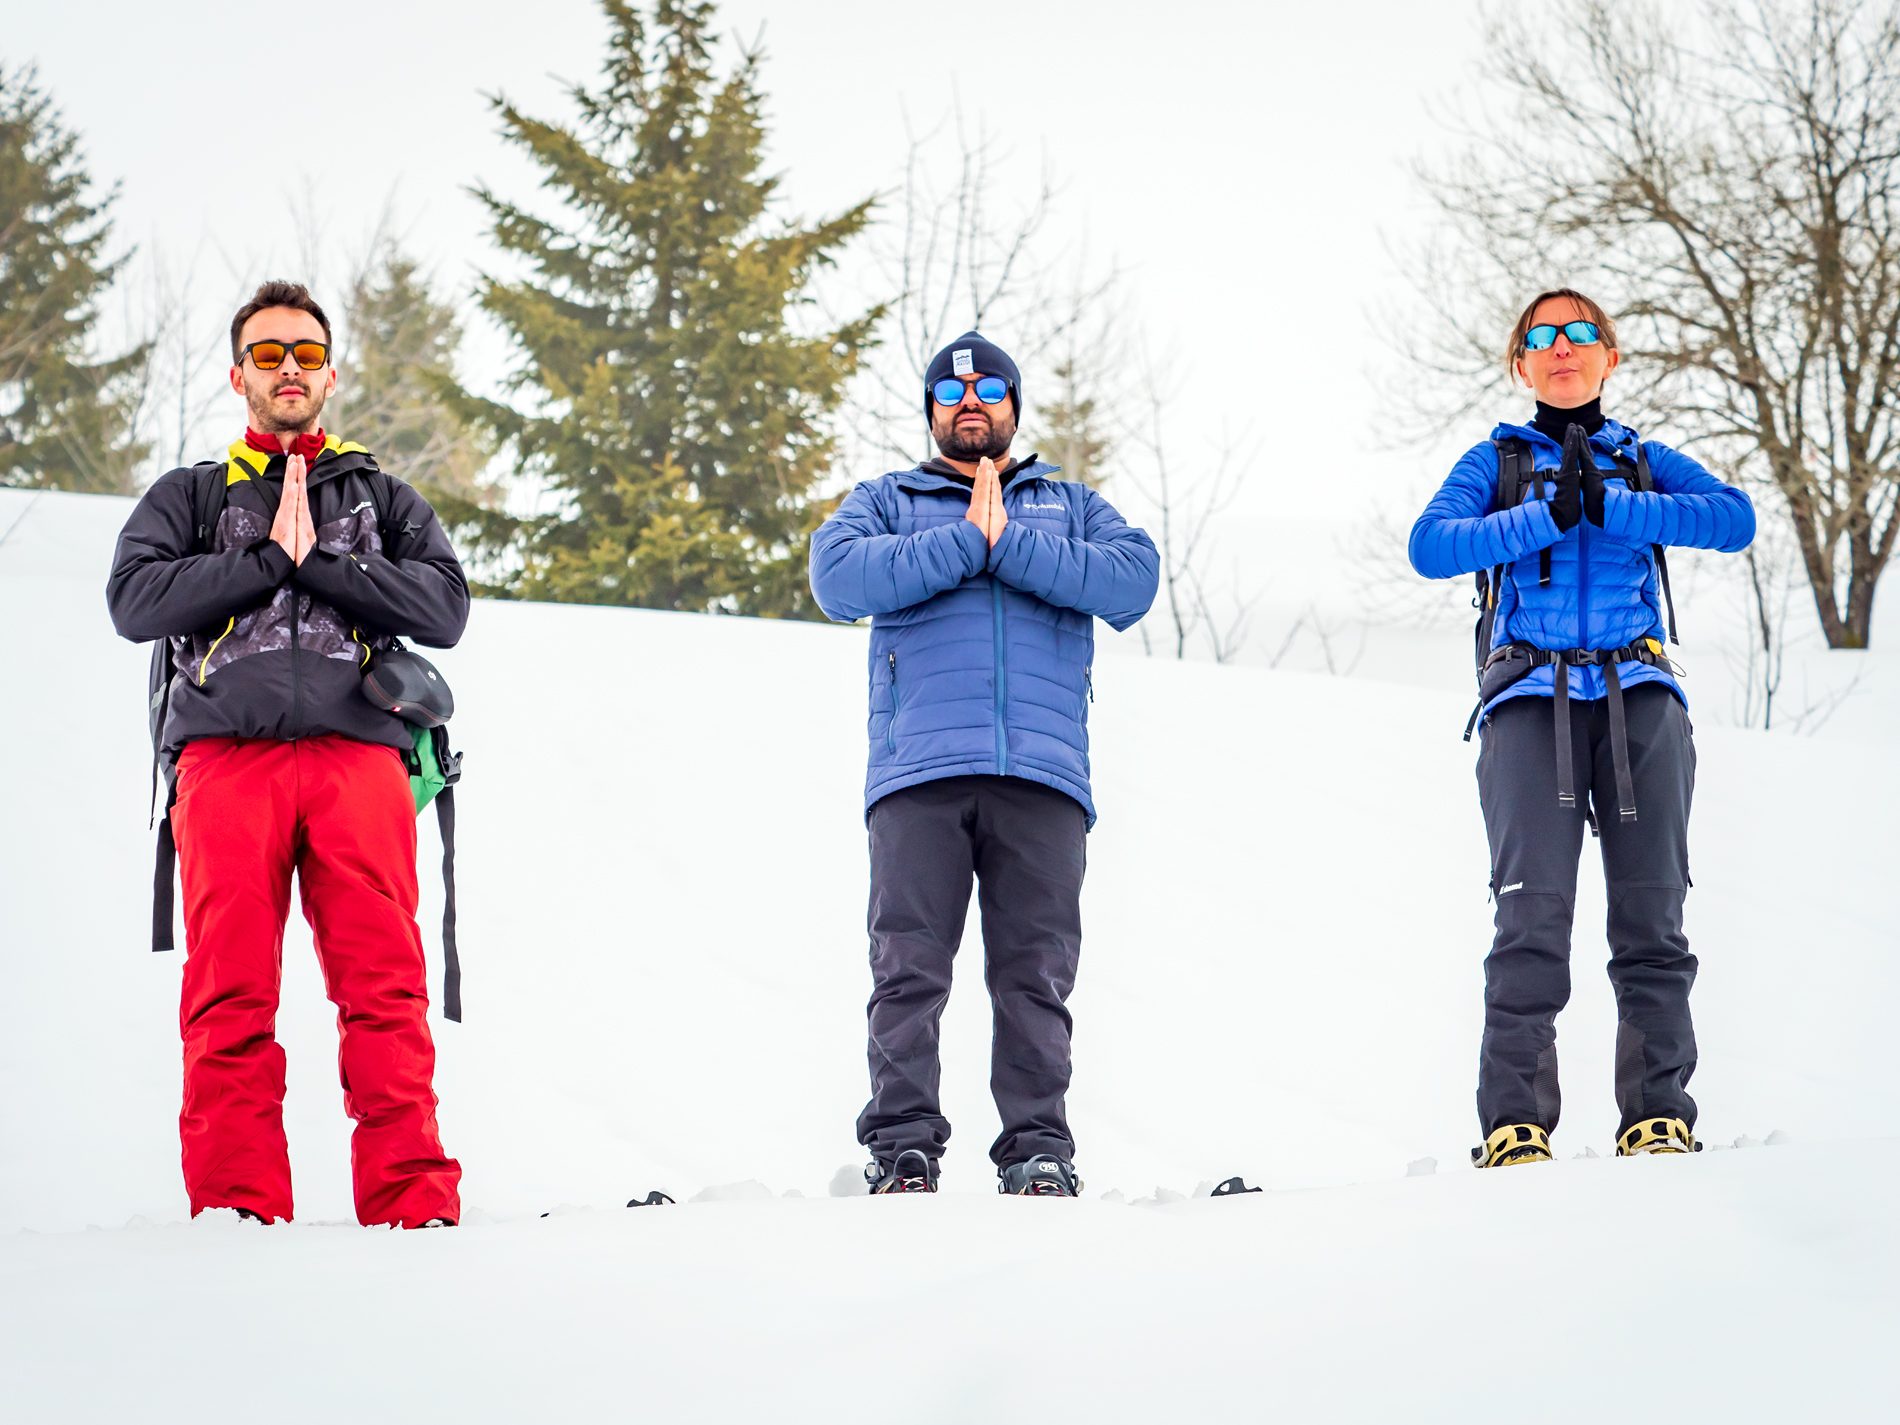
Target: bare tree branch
(1727,175)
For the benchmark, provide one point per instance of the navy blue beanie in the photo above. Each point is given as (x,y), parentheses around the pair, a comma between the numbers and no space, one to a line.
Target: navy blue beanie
(966,356)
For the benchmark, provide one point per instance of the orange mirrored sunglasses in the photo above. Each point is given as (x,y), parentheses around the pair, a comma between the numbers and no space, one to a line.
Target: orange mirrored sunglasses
(269,355)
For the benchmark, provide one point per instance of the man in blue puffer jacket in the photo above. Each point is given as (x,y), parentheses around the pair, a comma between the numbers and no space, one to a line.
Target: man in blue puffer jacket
(982,577)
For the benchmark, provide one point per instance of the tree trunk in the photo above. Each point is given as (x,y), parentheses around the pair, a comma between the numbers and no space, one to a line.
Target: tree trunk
(1820,572)
(1860,606)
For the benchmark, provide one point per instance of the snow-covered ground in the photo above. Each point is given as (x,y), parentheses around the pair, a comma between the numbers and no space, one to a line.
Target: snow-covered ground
(662,871)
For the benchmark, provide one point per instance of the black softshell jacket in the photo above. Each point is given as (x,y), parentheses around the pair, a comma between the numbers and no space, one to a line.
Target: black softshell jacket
(270,649)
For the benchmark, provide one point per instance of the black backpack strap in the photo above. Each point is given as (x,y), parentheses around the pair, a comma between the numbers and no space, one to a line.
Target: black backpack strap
(450,763)
(1513,460)
(158,705)
(164,871)
(451,959)
(208,487)
(1644,481)
(382,494)
(1517,467)
(1561,661)
(1560,712)
(1620,745)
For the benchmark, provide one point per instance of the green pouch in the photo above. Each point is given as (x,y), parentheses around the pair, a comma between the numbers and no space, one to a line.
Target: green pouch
(431,765)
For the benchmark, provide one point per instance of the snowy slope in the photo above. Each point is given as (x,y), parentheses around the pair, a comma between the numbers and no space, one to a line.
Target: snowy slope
(662,866)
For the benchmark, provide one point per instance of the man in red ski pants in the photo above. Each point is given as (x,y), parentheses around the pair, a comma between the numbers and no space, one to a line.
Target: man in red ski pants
(315,559)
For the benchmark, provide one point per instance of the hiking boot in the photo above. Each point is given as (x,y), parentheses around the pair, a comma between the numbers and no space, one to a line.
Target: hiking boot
(1045,1176)
(1513,1144)
(912,1172)
(1657,1135)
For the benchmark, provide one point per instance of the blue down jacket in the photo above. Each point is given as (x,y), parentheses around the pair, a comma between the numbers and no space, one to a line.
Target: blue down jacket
(981,658)
(1603,589)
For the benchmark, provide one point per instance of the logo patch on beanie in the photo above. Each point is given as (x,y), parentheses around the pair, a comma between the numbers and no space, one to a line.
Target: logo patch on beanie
(960,363)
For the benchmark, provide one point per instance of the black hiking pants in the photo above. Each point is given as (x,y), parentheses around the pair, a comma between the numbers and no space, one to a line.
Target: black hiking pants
(1535,845)
(1025,844)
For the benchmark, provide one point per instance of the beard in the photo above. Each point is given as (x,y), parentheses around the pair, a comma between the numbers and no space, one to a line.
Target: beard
(267,418)
(968,443)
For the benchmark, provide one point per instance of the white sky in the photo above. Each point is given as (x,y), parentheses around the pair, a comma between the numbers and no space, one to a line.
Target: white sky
(1245,163)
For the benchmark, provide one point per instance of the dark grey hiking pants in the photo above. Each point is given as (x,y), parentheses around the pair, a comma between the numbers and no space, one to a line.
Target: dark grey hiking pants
(1535,845)
(1026,846)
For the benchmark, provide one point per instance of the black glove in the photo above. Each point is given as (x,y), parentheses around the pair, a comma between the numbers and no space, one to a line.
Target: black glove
(1577,457)
(1566,506)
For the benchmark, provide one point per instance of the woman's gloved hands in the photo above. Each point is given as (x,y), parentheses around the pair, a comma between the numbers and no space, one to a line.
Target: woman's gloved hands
(1589,477)
(1566,505)
(1579,485)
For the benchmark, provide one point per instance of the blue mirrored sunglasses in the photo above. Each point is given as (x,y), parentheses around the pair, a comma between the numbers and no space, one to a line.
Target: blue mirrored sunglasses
(990,390)
(1576,333)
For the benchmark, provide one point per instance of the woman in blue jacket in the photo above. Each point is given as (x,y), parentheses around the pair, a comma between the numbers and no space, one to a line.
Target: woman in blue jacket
(1565,520)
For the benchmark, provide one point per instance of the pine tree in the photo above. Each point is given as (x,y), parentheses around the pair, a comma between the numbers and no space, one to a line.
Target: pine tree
(399,385)
(65,420)
(665,395)
(1071,430)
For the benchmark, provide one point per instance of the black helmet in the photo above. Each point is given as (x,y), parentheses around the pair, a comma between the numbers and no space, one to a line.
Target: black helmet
(408,685)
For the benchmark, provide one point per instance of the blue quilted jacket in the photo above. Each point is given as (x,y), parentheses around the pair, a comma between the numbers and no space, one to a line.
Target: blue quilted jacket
(981,658)
(1603,588)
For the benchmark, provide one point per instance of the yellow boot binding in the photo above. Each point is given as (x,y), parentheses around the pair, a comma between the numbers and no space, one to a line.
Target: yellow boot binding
(1657,1135)
(1513,1144)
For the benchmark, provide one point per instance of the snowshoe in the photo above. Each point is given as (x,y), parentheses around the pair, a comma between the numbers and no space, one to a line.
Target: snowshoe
(912,1172)
(1039,1177)
(1657,1135)
(1513,1144)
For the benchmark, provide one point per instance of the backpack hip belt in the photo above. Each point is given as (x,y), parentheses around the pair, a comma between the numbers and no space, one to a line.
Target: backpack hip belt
(1561,661)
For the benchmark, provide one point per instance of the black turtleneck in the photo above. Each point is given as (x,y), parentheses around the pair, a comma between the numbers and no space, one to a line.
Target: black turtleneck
(1554,420)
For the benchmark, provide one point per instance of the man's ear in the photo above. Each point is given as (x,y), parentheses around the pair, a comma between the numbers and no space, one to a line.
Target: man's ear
(237,380)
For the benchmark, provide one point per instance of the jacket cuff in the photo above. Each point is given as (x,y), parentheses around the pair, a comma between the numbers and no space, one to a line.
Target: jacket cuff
(321,572)
(1622,509)
(976,549)
(271,557)
(1546,523)
(1005,545)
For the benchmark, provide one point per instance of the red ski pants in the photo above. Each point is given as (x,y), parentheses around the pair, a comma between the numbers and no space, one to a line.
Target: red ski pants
(340,812)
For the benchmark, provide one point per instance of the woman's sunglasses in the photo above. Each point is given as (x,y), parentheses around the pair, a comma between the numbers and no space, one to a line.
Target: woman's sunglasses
(269,355)
(990,390)
(1576,333)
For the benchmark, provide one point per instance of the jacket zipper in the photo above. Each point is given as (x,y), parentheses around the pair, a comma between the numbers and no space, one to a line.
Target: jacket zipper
(890,731)
(296,682)
(204,668)
(1002,678)
(296,678)
(1583,571)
